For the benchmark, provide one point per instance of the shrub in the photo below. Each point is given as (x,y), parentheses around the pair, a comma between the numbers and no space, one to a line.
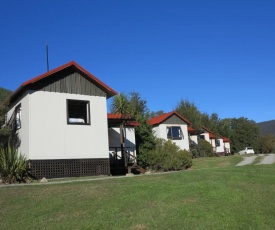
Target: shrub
(206,148)
(5,134)
(167,156)
(13,166)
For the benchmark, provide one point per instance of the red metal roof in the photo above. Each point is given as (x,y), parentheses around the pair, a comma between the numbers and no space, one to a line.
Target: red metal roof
(212,136)
(90,76)
(159,119)
(133,123)
(117,118)
(192,131)
(225,139)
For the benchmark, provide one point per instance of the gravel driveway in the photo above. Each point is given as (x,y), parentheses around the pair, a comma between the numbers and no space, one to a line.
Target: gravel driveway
(268,159)
(247,160)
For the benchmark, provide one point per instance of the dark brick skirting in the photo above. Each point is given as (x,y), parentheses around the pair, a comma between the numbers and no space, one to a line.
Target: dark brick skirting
(70,167)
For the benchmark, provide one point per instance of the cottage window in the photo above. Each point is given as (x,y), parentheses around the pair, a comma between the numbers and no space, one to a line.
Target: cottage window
(17,121)
(78,112)
(218,143)
(174,133)
(202,137)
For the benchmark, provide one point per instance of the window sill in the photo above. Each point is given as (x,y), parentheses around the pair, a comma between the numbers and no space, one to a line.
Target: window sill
(68,123)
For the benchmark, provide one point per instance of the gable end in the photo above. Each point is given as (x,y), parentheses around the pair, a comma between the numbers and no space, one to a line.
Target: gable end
(174,120)
(68,81)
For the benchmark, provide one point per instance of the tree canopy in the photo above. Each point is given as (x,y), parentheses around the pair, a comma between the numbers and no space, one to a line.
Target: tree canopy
(190,111)
(132,104)
(241,131)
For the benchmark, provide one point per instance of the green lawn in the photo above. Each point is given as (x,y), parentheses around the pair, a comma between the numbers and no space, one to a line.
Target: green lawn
(216,162)
(218,196)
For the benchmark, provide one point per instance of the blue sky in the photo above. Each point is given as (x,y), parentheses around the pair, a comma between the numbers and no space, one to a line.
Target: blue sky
(218,54)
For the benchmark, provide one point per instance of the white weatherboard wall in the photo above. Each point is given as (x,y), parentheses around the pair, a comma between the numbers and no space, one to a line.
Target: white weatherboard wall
(227,146)
(194,138)
(114,137)
(220,149)
(50,137)
(213,142)
(129,140)
(206,137)
(161,132)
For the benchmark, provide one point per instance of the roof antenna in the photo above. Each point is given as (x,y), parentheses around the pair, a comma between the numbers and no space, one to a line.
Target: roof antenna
(47,55)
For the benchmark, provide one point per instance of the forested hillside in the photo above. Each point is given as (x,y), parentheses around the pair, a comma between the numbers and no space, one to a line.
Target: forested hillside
(4,93)
(267,127)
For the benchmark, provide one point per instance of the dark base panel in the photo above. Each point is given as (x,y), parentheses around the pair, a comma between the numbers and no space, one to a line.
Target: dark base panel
(69,167)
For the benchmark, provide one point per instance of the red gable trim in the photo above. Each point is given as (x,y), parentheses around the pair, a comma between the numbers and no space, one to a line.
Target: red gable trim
(206,129)
(159,119)
(211,135)
(104,87)
(72,63)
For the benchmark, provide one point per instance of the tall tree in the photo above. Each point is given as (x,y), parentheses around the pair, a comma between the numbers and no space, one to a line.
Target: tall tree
(144,134)
(267,143)
(191,112)
(244,133)
(120,104)
(225,129)
(137,105)
(155,114)
(211,121)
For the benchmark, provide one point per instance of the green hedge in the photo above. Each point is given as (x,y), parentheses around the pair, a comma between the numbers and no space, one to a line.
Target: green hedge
(206,149)
(167,156)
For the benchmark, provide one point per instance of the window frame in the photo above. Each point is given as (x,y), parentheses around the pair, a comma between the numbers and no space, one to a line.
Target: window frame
(201,137)
(172,137)
(88,114)
(18,119)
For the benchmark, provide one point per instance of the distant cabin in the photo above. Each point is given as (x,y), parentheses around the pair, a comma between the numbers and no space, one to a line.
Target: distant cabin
(172,126)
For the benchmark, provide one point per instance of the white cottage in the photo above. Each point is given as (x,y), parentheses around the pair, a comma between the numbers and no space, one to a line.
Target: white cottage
(226,142)
(221,145)
(204,135)
(172,126)
(193,135)
(60,118)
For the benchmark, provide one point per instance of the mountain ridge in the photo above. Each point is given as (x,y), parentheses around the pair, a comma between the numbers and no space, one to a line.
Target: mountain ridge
(267,127)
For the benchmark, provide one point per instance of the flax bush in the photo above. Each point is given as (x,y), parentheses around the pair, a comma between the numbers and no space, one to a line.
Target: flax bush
(168,156)
(13,166)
